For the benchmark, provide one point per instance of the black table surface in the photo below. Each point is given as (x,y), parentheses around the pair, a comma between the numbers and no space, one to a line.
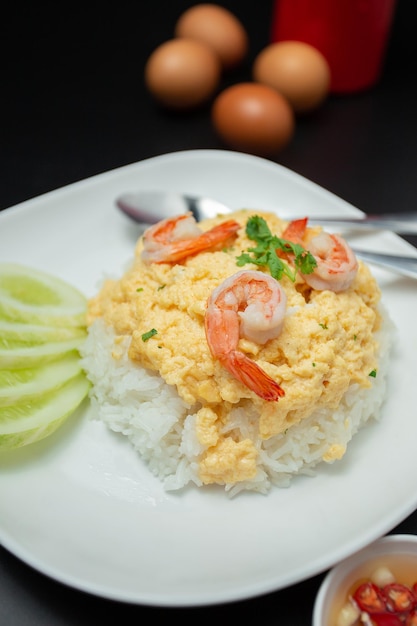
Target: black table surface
(75,105)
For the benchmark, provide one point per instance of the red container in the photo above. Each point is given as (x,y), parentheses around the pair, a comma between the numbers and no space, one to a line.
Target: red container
(351,34)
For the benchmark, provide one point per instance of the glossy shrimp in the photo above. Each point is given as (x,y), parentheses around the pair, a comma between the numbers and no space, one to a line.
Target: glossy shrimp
(336,262)
(176,238)
(252,305)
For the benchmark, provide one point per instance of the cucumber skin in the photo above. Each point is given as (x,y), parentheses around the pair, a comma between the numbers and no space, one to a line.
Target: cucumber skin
(34,427)
(36,356)
(11,311)
(43,321)
(66,306)
(26,384)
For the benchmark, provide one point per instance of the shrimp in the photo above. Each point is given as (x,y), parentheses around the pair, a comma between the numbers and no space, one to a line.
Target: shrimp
(295,230)
(176,238)
(336,262)
(249,304)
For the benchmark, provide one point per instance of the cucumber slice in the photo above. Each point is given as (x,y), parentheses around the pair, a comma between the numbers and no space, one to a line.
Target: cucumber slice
(15,334)
(26,384)
(32,296)
(14,356)
(27,422)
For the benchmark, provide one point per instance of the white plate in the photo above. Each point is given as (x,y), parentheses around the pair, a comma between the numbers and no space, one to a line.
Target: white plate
(81,507)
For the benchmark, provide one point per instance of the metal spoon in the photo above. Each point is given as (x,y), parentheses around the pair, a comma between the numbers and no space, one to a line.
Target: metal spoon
(149,207)
(405,265)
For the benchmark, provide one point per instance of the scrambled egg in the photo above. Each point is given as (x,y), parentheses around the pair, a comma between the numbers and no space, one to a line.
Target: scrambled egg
(326,344)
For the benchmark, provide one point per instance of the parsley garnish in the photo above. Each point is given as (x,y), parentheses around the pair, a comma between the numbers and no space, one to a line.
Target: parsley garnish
(373,373)
(149,334)
(265,252)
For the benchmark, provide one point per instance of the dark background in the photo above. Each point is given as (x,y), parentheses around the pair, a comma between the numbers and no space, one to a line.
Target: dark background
(74,105)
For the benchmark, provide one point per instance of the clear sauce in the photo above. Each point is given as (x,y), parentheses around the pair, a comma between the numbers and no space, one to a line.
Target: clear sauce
(403,567)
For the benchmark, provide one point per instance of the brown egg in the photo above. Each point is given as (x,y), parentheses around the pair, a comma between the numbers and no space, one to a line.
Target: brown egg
(297,70)
(182,73)
(253,118)
(218,28)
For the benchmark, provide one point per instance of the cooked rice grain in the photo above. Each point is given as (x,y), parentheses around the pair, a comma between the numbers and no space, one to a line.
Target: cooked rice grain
(138,404)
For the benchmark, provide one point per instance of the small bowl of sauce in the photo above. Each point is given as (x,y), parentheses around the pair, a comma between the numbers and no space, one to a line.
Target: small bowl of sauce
(376,586)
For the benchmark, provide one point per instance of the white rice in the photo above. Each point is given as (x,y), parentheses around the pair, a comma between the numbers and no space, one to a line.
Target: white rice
(138,404)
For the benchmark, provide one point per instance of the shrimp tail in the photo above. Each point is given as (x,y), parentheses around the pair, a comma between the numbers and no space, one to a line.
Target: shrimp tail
(251,375)
(220,233)
(295,230)
(294,233)
(178,250)
(206,241)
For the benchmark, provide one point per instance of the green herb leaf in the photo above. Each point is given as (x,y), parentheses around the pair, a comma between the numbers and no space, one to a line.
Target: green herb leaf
(265,252)
(149,334)
(373,373)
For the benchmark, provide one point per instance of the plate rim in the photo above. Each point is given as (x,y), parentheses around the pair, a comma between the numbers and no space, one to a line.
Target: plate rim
(94,180)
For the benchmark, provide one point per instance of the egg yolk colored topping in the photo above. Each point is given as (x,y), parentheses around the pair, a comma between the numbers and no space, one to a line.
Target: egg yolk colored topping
(327,342)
